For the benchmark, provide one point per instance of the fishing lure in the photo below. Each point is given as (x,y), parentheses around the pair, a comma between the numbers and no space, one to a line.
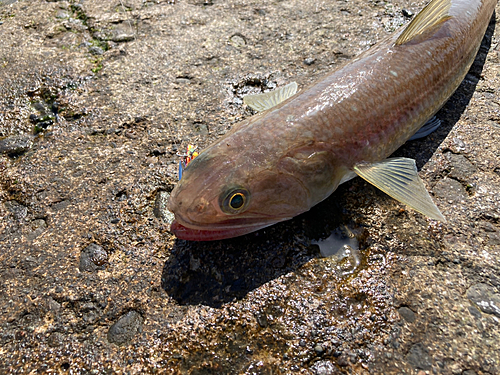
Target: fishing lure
(187,158)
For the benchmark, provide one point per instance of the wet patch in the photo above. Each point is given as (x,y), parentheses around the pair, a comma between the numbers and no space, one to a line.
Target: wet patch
(343,247)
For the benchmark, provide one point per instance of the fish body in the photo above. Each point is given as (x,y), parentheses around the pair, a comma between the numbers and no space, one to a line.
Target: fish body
(281,162)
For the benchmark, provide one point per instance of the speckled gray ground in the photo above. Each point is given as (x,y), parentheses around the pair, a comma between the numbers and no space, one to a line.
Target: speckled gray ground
(96,97)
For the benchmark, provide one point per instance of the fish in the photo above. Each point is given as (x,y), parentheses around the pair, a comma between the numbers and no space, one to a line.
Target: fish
(301,145)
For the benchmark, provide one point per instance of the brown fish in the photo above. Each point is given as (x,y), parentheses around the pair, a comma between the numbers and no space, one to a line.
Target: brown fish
(281,162)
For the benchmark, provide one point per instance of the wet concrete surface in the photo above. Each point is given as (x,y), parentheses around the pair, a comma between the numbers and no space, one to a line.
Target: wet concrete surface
(97,98)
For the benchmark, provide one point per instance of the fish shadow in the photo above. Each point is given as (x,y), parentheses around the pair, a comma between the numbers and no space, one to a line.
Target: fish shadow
(422,150)
(218,272)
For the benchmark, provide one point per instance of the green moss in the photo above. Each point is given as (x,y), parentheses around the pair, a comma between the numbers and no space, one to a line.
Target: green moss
(100,43)
(97,61)
(37,129)
(79,14)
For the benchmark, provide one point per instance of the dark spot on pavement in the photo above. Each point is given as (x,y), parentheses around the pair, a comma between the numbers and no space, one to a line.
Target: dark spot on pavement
(419,357)
(407,314)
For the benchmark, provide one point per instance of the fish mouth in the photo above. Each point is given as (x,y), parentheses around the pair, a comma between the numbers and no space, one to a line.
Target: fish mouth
(185,233)
(219,231)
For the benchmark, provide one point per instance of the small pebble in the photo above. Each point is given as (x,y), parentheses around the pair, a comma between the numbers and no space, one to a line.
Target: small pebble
(55,339)
(484,297)
(262,319)
(122,35)
(324,368)
(92,258)
(237,40)
(319,349)
(124,330)
(461,167)
(343,360)
(94,50)
(474,312)
(62,14)
(407,13)
(16,145)
(18,210)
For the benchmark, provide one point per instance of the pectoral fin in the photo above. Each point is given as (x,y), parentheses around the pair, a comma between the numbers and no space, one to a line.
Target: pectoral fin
(398,178)
(262,102)
(427,21)
(429,127)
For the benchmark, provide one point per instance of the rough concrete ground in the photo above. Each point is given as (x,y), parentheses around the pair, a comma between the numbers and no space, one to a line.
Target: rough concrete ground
(96,97)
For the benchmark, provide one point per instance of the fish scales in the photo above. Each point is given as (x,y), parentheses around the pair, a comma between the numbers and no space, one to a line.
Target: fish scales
(295,154)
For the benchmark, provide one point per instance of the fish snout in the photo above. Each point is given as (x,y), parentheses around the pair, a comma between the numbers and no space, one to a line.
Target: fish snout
(200,210)
(191,210)
(200,206)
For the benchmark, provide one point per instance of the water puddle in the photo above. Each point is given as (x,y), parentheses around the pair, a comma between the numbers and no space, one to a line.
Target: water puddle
(342,246)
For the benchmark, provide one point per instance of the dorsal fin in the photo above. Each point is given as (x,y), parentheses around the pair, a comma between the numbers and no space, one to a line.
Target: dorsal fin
(262,102)
(433,15)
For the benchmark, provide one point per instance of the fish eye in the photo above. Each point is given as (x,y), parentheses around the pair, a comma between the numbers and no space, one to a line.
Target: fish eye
(237,200)
(234,200)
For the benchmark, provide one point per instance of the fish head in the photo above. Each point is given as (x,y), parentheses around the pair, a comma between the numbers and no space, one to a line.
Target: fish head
(222,196)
